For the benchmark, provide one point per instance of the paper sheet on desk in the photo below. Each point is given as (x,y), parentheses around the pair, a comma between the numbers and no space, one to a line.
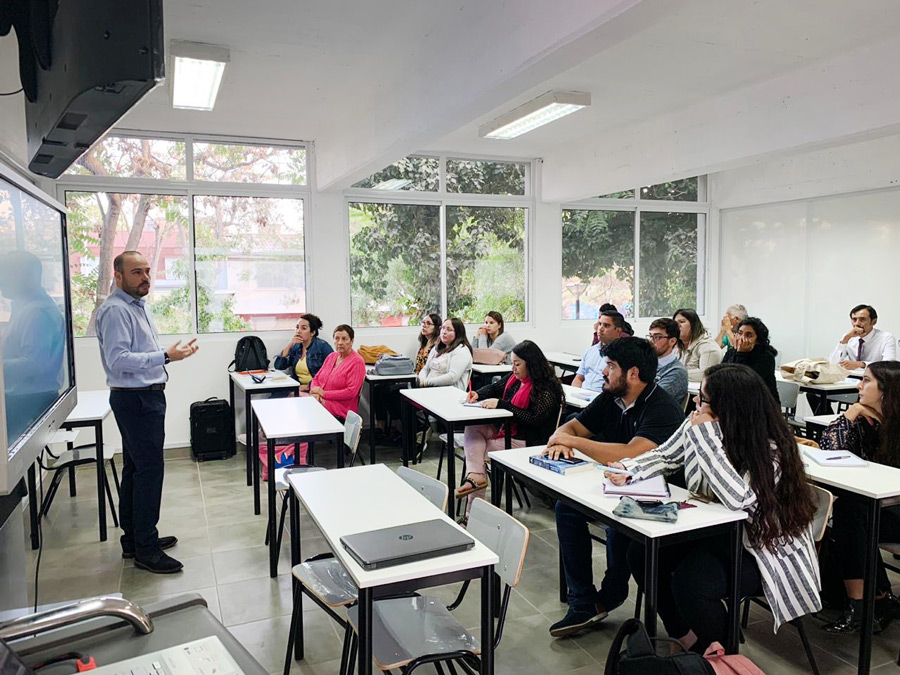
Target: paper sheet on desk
(649,487)
(833,457)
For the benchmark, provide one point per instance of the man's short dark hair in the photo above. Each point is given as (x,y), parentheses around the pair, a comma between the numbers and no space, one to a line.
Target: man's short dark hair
(617,319)
(119,261)
(669,326)
(872,313)
(629,352)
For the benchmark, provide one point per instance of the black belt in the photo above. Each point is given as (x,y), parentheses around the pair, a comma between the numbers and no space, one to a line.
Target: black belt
(152,387)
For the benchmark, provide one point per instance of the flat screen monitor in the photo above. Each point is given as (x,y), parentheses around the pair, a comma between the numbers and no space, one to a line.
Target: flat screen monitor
(36,345)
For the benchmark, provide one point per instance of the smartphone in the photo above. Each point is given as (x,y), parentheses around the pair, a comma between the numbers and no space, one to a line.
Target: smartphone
(570,460)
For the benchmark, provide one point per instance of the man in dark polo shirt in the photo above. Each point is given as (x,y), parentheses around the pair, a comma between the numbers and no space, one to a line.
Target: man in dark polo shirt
(631,416)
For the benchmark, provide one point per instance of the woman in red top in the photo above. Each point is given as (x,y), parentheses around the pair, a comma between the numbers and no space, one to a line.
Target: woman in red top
(337,383)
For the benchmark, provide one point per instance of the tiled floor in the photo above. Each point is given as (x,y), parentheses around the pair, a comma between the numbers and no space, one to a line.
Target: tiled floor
(210,509)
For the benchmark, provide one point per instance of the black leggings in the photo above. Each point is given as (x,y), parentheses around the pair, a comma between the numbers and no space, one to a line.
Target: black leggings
(693,581)
(849,532)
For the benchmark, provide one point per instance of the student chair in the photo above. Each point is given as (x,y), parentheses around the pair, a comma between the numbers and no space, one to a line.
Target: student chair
(327,583)
(70,460)
(352,433)
(824,504)
(413,631)
(788,392)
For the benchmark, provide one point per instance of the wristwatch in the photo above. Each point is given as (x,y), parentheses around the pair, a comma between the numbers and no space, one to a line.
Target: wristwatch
(167,360)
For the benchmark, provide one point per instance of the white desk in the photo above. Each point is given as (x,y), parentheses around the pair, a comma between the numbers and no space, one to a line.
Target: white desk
(376,382)
(877,486)
(584,492)
(90,411)
(564,360)
(302,418)
(484,369)
(857,373)
(275,380)
(843,387)
(815,424)
(578,397)
(446,404)
(382,499)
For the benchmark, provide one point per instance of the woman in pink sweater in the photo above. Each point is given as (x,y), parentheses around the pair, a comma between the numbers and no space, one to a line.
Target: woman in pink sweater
(337,383)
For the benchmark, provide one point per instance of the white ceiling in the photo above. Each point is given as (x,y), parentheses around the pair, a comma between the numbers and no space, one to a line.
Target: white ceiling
(372,81)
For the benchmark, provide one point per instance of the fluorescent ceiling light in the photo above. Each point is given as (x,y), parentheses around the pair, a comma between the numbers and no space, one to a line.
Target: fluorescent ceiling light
(536,113)
(392,184)
(197,71)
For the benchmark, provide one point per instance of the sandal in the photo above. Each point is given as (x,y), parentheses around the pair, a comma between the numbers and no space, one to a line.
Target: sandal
(469,486)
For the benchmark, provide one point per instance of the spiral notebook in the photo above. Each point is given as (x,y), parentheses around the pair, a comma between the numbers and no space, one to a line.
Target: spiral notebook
(655,487)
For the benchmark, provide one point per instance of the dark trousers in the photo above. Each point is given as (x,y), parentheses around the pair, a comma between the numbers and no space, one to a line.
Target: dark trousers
(849,532)
(141,417)
(693,581)
(576,547)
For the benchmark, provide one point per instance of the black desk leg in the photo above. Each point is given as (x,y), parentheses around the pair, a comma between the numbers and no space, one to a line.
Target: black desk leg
(101,479)
(270,507)
(251,441)
(487,621)
(372,422)
(33,507)
(339,444)
(508,488)
(734,598)
(651,574)
(450,447)
(407,418)
(296,558)
(508,434)
(253,438)
(73,489)
(365,631)
(872,558)
(311,453)
(496,474)
(231,403)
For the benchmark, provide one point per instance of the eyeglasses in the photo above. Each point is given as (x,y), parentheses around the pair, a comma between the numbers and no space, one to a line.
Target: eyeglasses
(702,398)
(654,338)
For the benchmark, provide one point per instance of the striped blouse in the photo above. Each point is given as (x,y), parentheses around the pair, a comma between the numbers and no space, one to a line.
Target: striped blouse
(790,574)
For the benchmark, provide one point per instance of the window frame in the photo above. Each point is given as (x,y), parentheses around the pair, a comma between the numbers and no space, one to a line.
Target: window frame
(444,199)
(190,189)
(637,207)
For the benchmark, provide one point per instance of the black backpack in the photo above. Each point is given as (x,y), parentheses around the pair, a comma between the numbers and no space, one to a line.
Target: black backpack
(250,354)
(639,657)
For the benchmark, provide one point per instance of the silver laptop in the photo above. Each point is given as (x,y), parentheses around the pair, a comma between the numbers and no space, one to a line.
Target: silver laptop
(403,544)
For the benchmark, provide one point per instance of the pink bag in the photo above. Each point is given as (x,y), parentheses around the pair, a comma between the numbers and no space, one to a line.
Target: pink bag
(284,456)
(729,664)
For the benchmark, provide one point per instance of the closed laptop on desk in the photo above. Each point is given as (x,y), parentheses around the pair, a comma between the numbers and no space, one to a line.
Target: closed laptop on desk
(405,544)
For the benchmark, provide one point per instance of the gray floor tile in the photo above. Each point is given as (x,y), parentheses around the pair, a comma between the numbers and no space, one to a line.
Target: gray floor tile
(266,640)
(248,563)
(255,599)
(209,594)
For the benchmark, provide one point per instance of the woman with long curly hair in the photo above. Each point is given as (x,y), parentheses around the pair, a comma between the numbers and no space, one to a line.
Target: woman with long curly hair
(736,448)
(752,348)
(871,429)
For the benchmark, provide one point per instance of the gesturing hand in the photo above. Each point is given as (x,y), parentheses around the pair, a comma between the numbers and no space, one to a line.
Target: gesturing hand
(178,351)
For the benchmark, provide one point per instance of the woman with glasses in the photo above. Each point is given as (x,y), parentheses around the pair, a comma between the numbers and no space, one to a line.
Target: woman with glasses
(752,349)
(449,362)
(428,337)
(870,428)
(736,448)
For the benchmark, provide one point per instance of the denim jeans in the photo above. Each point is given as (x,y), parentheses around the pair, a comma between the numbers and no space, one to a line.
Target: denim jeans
(576,547)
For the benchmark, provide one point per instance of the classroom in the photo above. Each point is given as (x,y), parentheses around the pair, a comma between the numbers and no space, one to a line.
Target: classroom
(360,170)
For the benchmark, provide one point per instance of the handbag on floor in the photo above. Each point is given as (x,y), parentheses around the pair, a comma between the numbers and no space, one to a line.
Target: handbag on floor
(640,658)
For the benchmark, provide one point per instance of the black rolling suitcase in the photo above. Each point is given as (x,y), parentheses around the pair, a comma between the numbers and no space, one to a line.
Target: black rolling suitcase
(212,429)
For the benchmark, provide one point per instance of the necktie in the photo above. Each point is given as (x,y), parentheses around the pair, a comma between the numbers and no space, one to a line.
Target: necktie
(859,350)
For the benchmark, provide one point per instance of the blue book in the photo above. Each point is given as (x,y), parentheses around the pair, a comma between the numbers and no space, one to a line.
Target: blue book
(561,466)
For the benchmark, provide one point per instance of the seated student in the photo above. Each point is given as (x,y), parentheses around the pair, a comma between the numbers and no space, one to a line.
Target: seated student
(863,343)
(449,362)
(491,335)
(337,383)
(736,448)
(733,316)
(593,361)
(870,429)
(671,374)
(631,416)
(605,307)
(700,350)
(389,400)
(752,349)
(305,353)
(532,394)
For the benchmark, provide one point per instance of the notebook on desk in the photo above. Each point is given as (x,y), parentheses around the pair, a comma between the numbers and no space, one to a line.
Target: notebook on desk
(655,487)
(403,544)
(207,656)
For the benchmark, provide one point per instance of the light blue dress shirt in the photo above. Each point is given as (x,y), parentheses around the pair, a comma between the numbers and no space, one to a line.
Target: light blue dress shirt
(593,363)
(129,344)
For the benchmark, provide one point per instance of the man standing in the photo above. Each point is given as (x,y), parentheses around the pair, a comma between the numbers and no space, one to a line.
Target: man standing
(671,374)
(590,372)
(864,343)
(631,416)
(136,374)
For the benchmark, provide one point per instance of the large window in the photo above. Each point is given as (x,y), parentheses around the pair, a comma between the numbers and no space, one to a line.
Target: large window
(226,262)
(645,258)
(403,265)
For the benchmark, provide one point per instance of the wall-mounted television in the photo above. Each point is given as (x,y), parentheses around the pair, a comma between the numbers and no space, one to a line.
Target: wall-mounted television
(37,379)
